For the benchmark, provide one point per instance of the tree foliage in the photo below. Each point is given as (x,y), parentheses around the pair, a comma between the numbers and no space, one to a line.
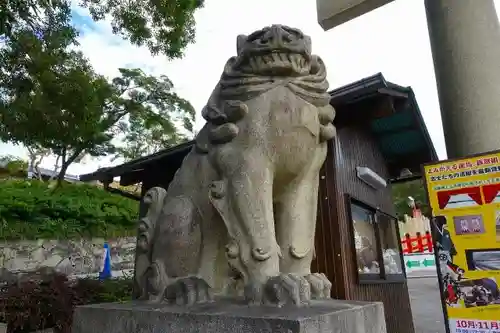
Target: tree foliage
(32,14)
(164,26)
(414,189)
(12,166)
(148,134)
(50,97)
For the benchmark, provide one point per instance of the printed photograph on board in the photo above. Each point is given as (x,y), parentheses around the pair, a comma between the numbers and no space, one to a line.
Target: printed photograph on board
(468,225)
(491,193)
(451,274)
(460,198)
(480,292)
(442,237)
(483,259)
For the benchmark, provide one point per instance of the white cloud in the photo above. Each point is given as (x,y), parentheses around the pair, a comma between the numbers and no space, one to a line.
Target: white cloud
(392,40)
(398,47)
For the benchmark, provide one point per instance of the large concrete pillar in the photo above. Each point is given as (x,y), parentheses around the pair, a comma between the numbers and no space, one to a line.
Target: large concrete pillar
(465,41)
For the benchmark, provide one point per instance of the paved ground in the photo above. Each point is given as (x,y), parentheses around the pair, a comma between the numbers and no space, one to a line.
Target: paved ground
(426,305)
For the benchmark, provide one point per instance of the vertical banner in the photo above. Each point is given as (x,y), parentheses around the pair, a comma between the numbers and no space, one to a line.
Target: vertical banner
(464,196)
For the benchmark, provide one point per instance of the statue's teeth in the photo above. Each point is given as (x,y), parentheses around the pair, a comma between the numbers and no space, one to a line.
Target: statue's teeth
(302,62)
(260,62)
(268,59)
(276,58)
(294,59)
(253,63)
(284,57)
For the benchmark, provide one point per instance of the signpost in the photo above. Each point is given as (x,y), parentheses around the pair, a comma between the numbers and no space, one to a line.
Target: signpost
(464,195)
(420,262)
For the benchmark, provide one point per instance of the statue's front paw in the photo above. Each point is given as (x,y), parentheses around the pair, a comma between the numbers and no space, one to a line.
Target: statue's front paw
(321,287)
(188,291)
(287,289)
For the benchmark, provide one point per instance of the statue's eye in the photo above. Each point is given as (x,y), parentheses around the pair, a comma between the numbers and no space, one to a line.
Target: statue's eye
(256,36)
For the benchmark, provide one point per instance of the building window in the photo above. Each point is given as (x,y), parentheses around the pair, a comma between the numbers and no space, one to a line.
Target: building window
(389,240)
(376,244)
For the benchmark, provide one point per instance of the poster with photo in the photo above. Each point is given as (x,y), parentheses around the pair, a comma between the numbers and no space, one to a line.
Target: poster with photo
(465,199)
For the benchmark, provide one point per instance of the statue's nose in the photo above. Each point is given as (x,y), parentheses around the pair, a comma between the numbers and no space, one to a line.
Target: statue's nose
(276,36)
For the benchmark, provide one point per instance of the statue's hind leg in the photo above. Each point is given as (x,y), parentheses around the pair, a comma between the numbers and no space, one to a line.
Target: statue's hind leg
(173,274)
(295,214)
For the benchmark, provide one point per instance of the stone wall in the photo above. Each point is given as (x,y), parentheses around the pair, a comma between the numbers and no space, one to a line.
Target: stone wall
(73,257)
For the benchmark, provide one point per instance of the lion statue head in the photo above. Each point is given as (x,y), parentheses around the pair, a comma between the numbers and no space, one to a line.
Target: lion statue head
(277,50)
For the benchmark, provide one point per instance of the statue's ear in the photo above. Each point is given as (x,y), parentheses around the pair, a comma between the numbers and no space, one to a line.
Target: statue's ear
(240,41)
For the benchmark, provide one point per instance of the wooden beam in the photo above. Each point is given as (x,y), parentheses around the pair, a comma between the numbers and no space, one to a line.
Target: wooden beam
(132,178)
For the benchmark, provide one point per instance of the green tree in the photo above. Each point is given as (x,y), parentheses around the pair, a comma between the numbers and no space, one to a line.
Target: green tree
(145,135)
(414,189)
(164,26)
(32,14)
(15,166)
(50,97)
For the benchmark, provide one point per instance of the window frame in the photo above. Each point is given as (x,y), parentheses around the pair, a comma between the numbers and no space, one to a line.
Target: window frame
(382,276)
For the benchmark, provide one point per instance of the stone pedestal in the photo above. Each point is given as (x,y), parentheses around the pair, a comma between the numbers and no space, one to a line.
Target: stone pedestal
(229,316)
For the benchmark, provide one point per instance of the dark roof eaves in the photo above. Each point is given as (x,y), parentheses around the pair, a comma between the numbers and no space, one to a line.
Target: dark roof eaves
(121,169)
(422,125)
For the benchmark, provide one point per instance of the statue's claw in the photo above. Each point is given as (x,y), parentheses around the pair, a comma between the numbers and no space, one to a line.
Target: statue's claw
(287,289)
(321,287)
(188,291)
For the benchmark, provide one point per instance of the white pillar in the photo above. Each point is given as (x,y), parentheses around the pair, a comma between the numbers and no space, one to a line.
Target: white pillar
(465,41)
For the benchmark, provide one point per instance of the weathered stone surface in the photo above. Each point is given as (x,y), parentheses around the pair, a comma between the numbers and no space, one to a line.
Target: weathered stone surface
(230,316)
(240,213)
(72,257)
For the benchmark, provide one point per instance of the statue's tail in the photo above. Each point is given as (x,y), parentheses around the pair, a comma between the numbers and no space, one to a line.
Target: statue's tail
(152,205)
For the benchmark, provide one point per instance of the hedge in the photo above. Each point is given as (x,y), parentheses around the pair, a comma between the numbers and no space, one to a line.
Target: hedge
(31,209)
(49,302)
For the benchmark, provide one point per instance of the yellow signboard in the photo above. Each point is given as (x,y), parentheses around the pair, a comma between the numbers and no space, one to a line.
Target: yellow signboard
(465,199)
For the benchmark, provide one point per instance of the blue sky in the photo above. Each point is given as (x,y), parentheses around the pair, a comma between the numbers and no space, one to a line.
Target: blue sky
(392,39)
(82,22)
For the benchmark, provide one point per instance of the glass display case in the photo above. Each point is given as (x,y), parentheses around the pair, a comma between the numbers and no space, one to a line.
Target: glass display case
(376,244)
(390,244)
(365,240)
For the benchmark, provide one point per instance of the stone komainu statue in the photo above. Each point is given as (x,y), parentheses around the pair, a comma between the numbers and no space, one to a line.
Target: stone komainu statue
(239,216)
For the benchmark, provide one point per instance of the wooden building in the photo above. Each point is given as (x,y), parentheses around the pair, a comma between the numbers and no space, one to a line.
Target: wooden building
(381,136)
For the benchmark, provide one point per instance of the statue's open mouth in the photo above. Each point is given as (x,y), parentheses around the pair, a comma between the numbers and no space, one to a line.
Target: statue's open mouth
(275,50)
(277,63)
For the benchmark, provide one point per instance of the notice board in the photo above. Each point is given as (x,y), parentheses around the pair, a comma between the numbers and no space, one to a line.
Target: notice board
(464,196)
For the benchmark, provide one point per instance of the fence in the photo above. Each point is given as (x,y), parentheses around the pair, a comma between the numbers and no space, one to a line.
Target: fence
(418,253)
(418,244)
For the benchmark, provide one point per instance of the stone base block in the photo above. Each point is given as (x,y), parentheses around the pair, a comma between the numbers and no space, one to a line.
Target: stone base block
(230,316)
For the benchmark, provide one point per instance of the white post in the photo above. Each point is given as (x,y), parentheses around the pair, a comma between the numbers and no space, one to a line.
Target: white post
(465,41)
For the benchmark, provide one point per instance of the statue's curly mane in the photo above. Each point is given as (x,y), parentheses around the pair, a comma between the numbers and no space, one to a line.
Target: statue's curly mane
(261,65)
(235,88)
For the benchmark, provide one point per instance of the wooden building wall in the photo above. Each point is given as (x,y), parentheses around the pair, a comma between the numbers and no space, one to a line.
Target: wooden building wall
(334,240)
